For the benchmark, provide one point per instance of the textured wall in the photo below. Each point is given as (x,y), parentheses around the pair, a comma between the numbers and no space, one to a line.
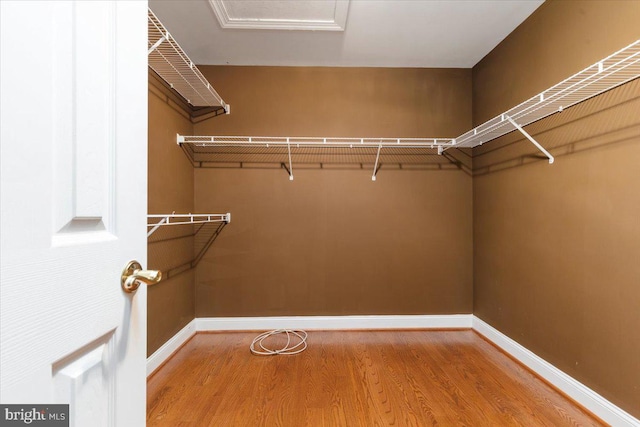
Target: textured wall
(333,241)
(171,303)
(557,247)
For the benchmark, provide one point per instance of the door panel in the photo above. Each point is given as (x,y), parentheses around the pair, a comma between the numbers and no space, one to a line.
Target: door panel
(84,107)
(84,378)
(73,207)
(83,69)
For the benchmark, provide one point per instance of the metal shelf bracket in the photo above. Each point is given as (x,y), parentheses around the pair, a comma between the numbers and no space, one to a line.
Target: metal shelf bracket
(156,44)
(375,167)
(530,138)
(290,164)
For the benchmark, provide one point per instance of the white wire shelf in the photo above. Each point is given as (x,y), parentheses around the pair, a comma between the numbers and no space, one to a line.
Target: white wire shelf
(192,235)
(308,142)
(608,73)
(172,64)
(156,221)
(367,152)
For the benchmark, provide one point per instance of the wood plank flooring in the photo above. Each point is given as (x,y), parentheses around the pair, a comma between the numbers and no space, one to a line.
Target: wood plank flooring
(354,378)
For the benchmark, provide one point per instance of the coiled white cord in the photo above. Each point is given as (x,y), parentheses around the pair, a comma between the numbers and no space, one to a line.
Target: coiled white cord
(287,349)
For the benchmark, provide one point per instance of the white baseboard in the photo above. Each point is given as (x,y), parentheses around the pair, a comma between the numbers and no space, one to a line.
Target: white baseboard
(577,391)
(447,321)
(163,353)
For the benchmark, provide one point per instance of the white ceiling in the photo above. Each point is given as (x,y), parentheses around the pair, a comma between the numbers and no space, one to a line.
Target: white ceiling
(378,33)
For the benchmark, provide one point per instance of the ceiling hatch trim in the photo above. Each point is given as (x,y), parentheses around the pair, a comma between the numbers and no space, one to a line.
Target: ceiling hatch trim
(318,15)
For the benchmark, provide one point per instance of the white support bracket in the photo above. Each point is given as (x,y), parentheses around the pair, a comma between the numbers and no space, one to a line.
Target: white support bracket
(158,225)
(290,163)
(157,43)
(179,138)
(375,167)
(530,138)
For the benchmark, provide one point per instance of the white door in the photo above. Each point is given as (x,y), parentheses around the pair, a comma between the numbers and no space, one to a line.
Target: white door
(73,207)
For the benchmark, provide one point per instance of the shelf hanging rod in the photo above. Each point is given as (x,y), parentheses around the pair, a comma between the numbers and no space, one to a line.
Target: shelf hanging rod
(530,138)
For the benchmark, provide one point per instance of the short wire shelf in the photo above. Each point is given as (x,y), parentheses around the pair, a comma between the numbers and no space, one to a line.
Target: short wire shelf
(203,229)
(171,63)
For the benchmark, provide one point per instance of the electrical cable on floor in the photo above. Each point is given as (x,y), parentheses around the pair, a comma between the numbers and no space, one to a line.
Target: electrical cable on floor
(287,349)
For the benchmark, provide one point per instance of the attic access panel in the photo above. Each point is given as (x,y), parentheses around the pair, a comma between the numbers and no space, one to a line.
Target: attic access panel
(324,15)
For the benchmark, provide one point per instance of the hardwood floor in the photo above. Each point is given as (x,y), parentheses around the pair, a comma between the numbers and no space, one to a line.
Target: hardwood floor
(354,378)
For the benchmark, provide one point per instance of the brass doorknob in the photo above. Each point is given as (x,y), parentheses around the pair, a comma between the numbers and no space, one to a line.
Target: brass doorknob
(133,275)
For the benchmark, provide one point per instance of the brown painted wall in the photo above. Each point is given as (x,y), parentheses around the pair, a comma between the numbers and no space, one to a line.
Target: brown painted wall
(559,39)
(356,102)
(171,303)
(333,241)
(556,247)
